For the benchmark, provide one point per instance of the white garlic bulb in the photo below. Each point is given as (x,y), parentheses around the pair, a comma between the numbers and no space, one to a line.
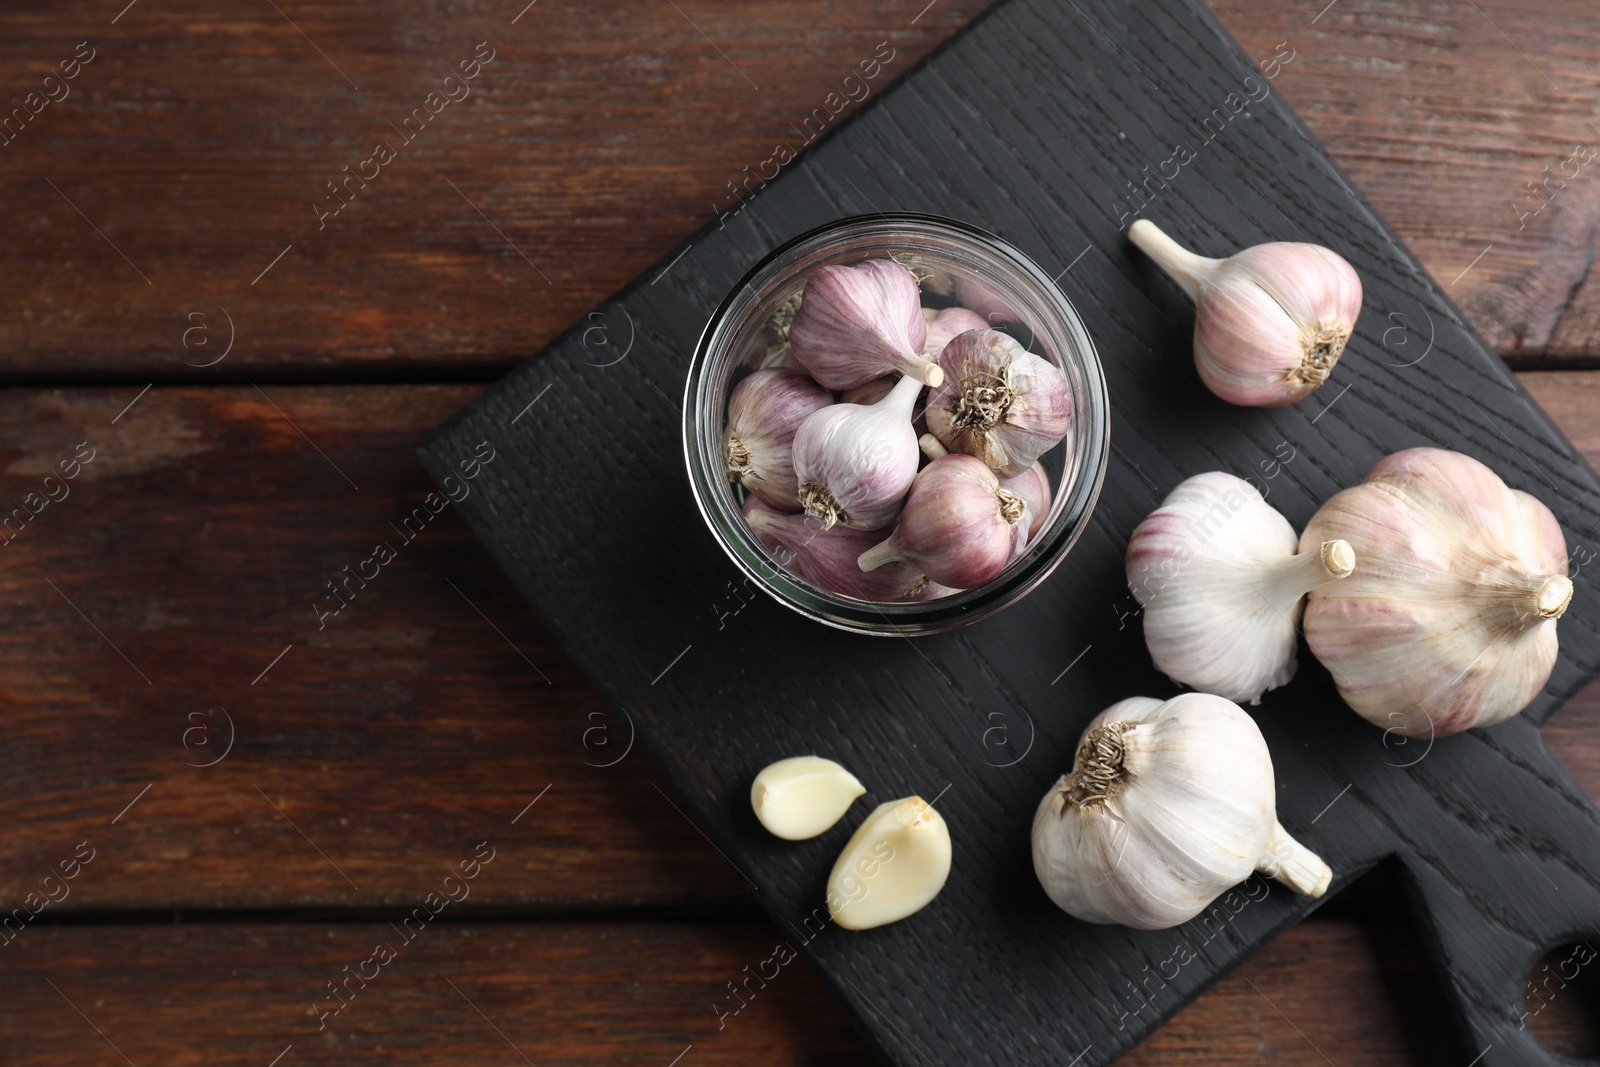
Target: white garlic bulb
(1451,621)
(854,463)
(859,323)
(999,402)
(1169,803)
(1270,321)
(802,796)
(764,411)
(1215,569)
(959,526)
(893,866)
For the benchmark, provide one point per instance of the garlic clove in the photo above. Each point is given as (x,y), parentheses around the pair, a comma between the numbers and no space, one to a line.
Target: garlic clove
(1215,570)
(958,525)
(827,558)
(893,866)
(945,325)
(1270,321)
(1169,803)
(1450,622)
(803,796)
(764,411)
(999,402)
(859,323)
(854,463)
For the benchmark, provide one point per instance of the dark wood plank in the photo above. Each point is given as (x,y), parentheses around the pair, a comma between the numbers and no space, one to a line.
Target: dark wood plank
(625,606)
(621,993)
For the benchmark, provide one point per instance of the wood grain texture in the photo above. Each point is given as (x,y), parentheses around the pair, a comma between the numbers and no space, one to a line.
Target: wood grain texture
(624,993)
(1060,147)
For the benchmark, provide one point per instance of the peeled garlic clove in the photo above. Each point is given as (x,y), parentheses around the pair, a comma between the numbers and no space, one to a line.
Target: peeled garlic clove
(1450,623)
(854,463)
(945,325)
(958,526)
(859,323)
(803,796)
(764,411)
(1270,321)
(999,402)
(827,558)
(1033,486)
(1169,804)
(1222,589)
(894,865)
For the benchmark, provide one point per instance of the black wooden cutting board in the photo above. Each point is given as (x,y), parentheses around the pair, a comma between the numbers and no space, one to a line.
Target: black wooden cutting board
(1052,124)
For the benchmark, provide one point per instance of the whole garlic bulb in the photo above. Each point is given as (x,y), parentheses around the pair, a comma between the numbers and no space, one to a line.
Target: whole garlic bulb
(764,411)
(958,526)
(855,462)
(859,323)
(1169,803)
(1451,621)
(1222,588)
(1270,321)
(999,402)
(827,558)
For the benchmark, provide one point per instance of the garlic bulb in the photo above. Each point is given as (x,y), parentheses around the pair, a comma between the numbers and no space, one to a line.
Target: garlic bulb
(827,558)
(803,796)
(855,462)
(893,866)
(1169,803)
(859,323)
(998,402)
(945,325)
(1451,621)
(764,411)
(958,526)
(1222,589)
(1033,486)
(1270,321)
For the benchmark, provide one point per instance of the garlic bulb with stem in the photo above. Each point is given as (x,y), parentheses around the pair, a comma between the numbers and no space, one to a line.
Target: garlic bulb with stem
(1169,804)
(892,867)
(802,796)
(855,462)
(827,558)
(1270,321)
(764,411)
(1222,588)
(1450,623)
(958,526)
(859,323)
(999,402)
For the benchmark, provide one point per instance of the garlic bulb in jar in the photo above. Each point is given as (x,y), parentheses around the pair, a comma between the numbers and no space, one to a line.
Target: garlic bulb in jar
(1169,804)
(1450,622)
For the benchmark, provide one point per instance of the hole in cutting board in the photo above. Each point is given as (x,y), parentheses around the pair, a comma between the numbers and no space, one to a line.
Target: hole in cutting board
(1562,999)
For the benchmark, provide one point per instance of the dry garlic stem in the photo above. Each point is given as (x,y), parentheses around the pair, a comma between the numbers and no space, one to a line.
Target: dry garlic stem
(893,866)
(803,796)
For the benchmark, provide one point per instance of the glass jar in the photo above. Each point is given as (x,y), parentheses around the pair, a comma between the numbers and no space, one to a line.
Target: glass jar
(958,264)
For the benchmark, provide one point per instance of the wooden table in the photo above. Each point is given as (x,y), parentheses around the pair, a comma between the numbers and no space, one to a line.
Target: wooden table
(233,359)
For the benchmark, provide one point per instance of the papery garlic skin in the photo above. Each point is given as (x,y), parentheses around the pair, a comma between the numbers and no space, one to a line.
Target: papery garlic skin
(958,526)
(893,866)
(764,411)
(945,325)
(854,463)
(803,796)
(862,322)
(999,402)
(1270,321)
(827,558)
(1222,588)
(1169,804)
(1450,622)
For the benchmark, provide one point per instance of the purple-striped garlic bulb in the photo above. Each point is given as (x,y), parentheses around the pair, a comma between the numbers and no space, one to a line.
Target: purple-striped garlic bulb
(827,557)
(860,323)
(1270,321)
(999,402)
(764,411)
(855,462)
(945,325)
(958,526)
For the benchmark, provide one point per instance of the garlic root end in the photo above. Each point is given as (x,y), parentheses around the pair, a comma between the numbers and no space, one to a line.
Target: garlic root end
(1182,265)
(1296,866)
